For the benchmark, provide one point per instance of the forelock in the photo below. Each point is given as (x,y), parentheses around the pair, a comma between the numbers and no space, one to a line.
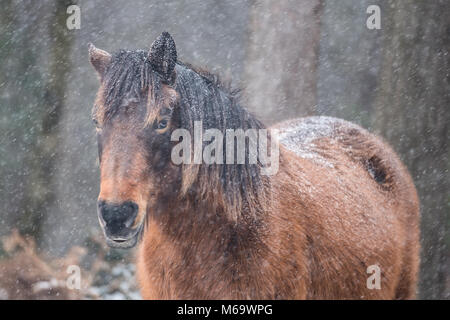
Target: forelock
(129,75)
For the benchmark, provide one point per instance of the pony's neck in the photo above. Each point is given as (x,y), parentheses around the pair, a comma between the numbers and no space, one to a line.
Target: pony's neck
(198,226)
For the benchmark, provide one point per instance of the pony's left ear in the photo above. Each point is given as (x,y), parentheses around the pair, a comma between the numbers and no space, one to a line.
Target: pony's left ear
(163,57)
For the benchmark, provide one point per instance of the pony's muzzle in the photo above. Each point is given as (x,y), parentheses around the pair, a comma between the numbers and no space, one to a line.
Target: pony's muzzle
(117,221)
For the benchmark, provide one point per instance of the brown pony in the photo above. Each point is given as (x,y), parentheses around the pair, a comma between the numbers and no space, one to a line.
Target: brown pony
(339,220)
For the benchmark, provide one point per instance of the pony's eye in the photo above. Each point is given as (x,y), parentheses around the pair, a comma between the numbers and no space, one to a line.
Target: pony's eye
(162,124)
(95,122)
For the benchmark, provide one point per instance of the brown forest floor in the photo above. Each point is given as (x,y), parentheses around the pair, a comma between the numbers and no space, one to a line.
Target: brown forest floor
(26,273)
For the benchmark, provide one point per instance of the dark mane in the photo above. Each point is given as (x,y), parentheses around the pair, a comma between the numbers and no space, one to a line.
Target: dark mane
(203,97)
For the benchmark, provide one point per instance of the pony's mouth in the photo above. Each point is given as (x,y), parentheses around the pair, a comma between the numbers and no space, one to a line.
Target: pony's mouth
(124,242)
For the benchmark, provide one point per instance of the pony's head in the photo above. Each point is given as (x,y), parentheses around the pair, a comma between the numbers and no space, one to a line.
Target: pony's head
(134,116)
(144,97)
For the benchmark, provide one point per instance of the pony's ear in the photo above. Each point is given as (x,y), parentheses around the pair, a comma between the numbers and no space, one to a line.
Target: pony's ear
(99,59)
(163,57)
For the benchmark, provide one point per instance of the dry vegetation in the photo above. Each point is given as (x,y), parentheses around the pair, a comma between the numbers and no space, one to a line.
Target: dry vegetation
(26,273)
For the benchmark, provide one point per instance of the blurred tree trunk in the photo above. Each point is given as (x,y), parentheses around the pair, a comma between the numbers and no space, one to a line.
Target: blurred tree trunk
(412,112)
(40,191)
(21,86)
(281,64)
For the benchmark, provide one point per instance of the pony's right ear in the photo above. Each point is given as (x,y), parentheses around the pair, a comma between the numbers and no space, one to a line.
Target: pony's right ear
(99,59)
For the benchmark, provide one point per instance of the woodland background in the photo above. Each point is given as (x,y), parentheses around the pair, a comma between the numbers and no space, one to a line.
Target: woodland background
(291,58)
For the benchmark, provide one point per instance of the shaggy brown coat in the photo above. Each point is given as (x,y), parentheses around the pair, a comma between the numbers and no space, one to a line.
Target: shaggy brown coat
(340,203)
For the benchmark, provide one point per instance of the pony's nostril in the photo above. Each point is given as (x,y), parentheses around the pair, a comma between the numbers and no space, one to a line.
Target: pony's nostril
(130,210)
(118,217)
